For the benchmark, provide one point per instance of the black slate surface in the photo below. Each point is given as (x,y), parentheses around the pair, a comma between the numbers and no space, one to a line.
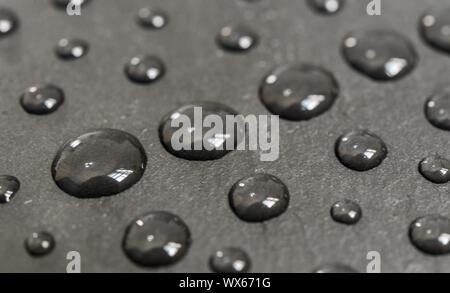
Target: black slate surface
(99,95)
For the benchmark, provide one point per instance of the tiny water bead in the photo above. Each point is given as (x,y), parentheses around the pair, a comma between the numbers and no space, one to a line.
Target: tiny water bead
(380,54)
(346,212)
(431,234)
(238,38)
(259,198)
(435,168)
(9,185)
(326,6)
(99,163)
(40,243)
(360,150)
(8,21)
(299,92)
(230,260)
(156,239)
(69,49)
(152,18)
(200,142)
(42,99)
(145,69)
(435,29)
(335,269)
(437,109)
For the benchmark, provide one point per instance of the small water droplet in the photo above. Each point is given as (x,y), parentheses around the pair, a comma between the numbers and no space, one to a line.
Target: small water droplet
(360,150)
(156,239)
(145,69)
(42,99)
(435,28)
(40,243)
(8,21)
(431,234)
(299,92)
(335,269)
(437,109)
(69,49)
(230,260)
(99,163)
(152,18)
(346,212)
(326,6)
(199,143)
(380,54)
(238,38)
(9,185)
(259,198)
(436,169)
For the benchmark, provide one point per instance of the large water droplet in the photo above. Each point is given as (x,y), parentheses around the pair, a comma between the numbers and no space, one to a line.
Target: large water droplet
(380,54)
(9,185)
(360,150)
(435,28)
(335,269)
(346,212)
(230,260)
(156,239)
(99,163)
(42,99)
(259,198)
(40,243)
(431,234)
(238,38)
(152,18)
(437,109)
(299,92)
(69,49)
(145,69)
(326,6)
(199,142)
(435,168)
(8,21)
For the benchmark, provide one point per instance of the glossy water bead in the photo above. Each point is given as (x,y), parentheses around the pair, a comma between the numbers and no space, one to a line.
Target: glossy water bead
(237,38)
(346,212)
(431,234)
(145,69)
(435,168)
(42,99)
(326,6)
(8,22)
(437,109)
(230,260)
(9,185)
(40,243)
(435,28)
(152,18)
(68,49)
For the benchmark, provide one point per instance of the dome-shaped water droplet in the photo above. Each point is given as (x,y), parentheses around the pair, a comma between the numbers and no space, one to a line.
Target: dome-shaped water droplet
(69,49)
(346,212)
(145,69)
(437,109)
(435,28)
(8,21)
(42,99)
(230,260)
(9,185)
(431,234)
(40,243)
(435,168)
(152,18)
(238,38)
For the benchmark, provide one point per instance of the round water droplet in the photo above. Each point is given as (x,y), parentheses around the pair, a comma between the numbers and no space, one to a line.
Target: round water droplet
(8,21)
(9,185)
(346,212)
(335,269)
(145,69)
(69,49)
(380,54)
(299,92)
(152,18)
(431,234)
(326,6)
(99,163)
(435,28)
(41,100)
(62,4)
(40,243)
(156,239)
(259,198)
(237,38)
(437,109)
(436,169)
(229,260)
(360,150)
(192,139)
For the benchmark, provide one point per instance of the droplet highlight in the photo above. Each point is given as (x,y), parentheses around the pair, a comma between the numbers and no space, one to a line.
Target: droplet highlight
(431,234)
(9,186)
(326,7)
(230,260)
(42,99)
(8,22)
(346,212)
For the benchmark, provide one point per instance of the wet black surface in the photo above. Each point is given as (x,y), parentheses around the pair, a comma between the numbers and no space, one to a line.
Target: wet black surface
(304,237)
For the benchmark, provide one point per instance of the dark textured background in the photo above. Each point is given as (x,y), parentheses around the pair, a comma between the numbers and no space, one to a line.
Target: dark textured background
(99,95)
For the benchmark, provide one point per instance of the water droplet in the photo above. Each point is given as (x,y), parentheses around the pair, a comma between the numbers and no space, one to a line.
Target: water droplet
(259,198)
(360,150)
(40,243)
(62,4)
(99,163)
(41,100)
(380,54)
(335,269)
(198,142)
(230,260)
(238,38)
(8,21)
(152,18)
(9,185)
(69,49)
(437,109)
(145,69)
(299,92)
(326,6)
(346,212)
(435,28)
(436,169)
(431,234)
(156,239)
